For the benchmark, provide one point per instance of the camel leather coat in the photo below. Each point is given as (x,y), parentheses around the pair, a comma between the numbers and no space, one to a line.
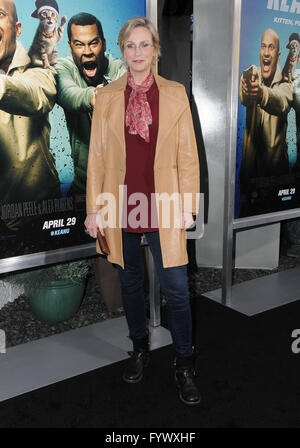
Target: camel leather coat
(176,165)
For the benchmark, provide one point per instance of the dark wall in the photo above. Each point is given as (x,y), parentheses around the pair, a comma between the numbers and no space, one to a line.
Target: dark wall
(175,36)
(174,26)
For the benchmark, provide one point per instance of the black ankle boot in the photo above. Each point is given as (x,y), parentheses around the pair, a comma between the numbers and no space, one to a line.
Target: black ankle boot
(139,359)
(185,380)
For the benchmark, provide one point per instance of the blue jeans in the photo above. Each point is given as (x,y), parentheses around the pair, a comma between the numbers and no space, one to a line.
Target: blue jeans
(174,285)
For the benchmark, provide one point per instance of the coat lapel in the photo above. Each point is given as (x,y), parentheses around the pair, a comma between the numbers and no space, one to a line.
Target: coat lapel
(170,109)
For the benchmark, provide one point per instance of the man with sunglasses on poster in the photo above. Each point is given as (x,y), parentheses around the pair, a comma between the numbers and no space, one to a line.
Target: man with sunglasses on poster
(78,76)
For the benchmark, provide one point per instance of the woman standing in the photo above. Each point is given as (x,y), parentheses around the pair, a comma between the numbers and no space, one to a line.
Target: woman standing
(143,144)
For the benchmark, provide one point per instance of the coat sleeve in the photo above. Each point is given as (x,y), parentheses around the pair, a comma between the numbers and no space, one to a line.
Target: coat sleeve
(95,170)
(30,93)
(188,162)
(70,96)
(277,100)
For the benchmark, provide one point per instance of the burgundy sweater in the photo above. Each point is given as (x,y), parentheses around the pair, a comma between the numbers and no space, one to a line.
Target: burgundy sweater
(139,171)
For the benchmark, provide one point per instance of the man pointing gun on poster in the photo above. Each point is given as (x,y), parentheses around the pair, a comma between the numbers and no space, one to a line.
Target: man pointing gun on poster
(268,98)
(27,95)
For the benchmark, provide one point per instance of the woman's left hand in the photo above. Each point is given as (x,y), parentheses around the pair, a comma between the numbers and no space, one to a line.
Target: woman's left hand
(187,220)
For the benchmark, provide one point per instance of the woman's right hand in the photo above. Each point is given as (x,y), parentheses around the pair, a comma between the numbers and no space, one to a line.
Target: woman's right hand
(93,222)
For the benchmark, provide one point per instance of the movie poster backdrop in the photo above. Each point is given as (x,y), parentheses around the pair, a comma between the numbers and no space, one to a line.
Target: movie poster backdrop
(268,132)
(58,222)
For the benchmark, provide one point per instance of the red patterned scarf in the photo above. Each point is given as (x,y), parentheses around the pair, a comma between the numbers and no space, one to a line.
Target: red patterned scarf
(138,112)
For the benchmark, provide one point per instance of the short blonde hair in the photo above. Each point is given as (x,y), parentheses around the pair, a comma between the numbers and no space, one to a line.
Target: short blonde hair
(133,23)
